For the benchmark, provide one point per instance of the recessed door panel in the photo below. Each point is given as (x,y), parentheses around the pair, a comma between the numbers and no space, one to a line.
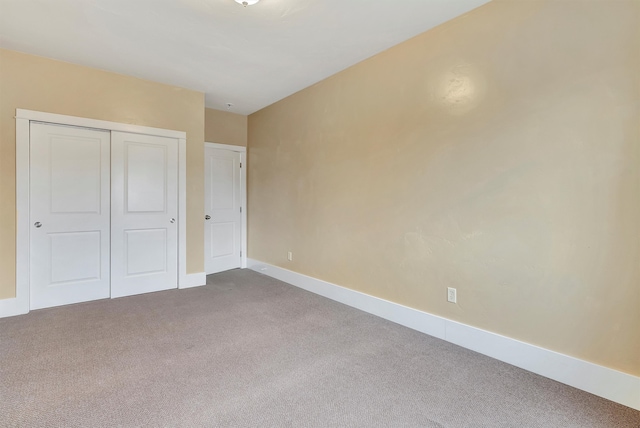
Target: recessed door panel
(223,216)
(69,214)
(144,213)
(222,183)
(146,177)
(76,257)
(75,180)
(222,239)
(145,251)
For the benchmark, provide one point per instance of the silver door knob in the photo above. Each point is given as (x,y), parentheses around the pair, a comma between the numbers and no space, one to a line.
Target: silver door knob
(173,220)
(37,224)
(207,217)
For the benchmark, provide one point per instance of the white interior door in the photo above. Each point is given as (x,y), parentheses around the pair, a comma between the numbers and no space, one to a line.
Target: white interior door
(223,216)
(144,213)
(69,215)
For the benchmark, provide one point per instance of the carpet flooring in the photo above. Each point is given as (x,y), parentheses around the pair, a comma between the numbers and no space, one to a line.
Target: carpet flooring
(247,350)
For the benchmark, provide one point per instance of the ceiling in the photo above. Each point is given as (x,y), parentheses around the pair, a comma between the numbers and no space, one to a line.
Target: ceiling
(250,57)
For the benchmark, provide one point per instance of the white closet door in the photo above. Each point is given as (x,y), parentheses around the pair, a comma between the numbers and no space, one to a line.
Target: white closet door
(144,214)
(69,215)
(223,218)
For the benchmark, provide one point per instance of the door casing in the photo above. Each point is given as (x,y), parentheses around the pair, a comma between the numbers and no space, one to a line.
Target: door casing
(20,304)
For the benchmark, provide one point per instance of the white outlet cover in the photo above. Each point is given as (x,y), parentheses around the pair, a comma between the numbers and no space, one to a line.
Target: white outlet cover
(452,295)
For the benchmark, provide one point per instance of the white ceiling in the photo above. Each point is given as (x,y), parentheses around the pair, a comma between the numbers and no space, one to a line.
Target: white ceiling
(250,57)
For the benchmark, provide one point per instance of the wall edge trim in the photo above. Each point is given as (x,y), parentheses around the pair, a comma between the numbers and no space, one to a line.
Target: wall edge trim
(232,147)
(622,388)
(13,306)
(55,118)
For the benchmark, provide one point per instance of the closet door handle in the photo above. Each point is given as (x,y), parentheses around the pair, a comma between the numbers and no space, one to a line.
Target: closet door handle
(37,224)
(173,220)
(207,217)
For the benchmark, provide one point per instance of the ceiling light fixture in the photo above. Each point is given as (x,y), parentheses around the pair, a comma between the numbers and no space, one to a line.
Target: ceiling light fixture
(246,3)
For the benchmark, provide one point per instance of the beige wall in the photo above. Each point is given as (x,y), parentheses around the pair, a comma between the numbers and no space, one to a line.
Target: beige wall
(225,127)
(41,84)
(497,153)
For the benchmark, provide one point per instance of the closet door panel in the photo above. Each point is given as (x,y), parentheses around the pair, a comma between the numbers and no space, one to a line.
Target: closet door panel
(144,213)
(69,215)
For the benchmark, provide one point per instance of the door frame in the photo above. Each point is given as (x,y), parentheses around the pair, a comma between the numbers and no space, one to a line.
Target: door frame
(243,193)
(20,305)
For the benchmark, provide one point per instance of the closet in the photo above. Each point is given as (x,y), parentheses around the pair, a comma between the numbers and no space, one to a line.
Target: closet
(103,214)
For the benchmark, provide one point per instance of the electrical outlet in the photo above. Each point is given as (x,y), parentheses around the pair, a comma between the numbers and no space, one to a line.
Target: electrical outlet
(452,295)
(290,256)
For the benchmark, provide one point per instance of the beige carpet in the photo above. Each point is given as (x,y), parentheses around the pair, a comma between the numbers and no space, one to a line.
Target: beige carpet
(249,351)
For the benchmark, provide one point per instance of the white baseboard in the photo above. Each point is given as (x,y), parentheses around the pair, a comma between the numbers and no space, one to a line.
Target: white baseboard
(14,306)
(611,384)
(20,306)
(193,280)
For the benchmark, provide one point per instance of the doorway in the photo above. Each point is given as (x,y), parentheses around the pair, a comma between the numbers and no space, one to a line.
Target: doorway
(225,207)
